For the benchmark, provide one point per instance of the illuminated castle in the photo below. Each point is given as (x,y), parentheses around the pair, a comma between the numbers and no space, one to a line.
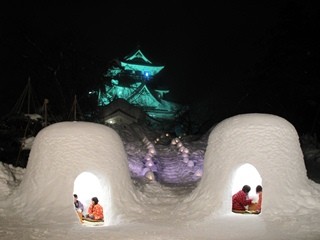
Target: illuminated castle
(128,88)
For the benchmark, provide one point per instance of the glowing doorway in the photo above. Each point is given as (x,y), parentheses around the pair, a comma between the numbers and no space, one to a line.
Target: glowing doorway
(86,186)
(246,174)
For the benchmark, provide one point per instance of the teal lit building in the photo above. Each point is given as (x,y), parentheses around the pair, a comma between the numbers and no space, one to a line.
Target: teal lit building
(127,88)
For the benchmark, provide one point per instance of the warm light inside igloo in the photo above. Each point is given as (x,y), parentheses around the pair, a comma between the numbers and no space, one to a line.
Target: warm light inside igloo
(246,174)
(86,186)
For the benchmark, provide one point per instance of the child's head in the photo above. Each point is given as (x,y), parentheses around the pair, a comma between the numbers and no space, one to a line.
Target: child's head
(246,188)
(95,200)
(258,189)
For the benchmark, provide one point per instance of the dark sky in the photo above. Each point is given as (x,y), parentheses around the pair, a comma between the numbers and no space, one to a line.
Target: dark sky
(235,57)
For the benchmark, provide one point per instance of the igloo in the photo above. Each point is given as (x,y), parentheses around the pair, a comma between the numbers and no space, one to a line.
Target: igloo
(60,154)
(267,142)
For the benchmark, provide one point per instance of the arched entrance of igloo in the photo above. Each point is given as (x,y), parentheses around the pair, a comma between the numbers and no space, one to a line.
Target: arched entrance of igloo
(246,174)
(87,186)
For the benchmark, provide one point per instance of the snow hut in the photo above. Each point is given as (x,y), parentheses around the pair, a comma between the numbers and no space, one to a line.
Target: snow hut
(60,154)
(267,142)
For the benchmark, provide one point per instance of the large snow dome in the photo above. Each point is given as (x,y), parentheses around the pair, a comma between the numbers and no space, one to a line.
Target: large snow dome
(267,143)
(64,152)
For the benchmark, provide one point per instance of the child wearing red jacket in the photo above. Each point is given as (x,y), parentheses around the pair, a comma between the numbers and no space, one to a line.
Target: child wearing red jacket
(95,210)
(240,199)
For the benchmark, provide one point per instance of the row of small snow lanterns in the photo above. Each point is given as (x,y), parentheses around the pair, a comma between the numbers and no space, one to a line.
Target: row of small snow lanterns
(183,150)
(166,135)
(147,172)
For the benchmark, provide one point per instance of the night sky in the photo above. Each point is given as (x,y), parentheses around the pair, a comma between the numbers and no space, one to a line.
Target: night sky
(221,59)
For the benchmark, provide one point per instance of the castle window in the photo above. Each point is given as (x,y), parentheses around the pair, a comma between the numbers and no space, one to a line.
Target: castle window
(146,75)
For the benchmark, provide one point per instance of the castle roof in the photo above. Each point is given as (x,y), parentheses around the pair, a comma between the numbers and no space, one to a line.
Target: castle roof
(138,61)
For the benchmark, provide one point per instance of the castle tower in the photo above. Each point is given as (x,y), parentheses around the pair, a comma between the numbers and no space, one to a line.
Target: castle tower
(129,79)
